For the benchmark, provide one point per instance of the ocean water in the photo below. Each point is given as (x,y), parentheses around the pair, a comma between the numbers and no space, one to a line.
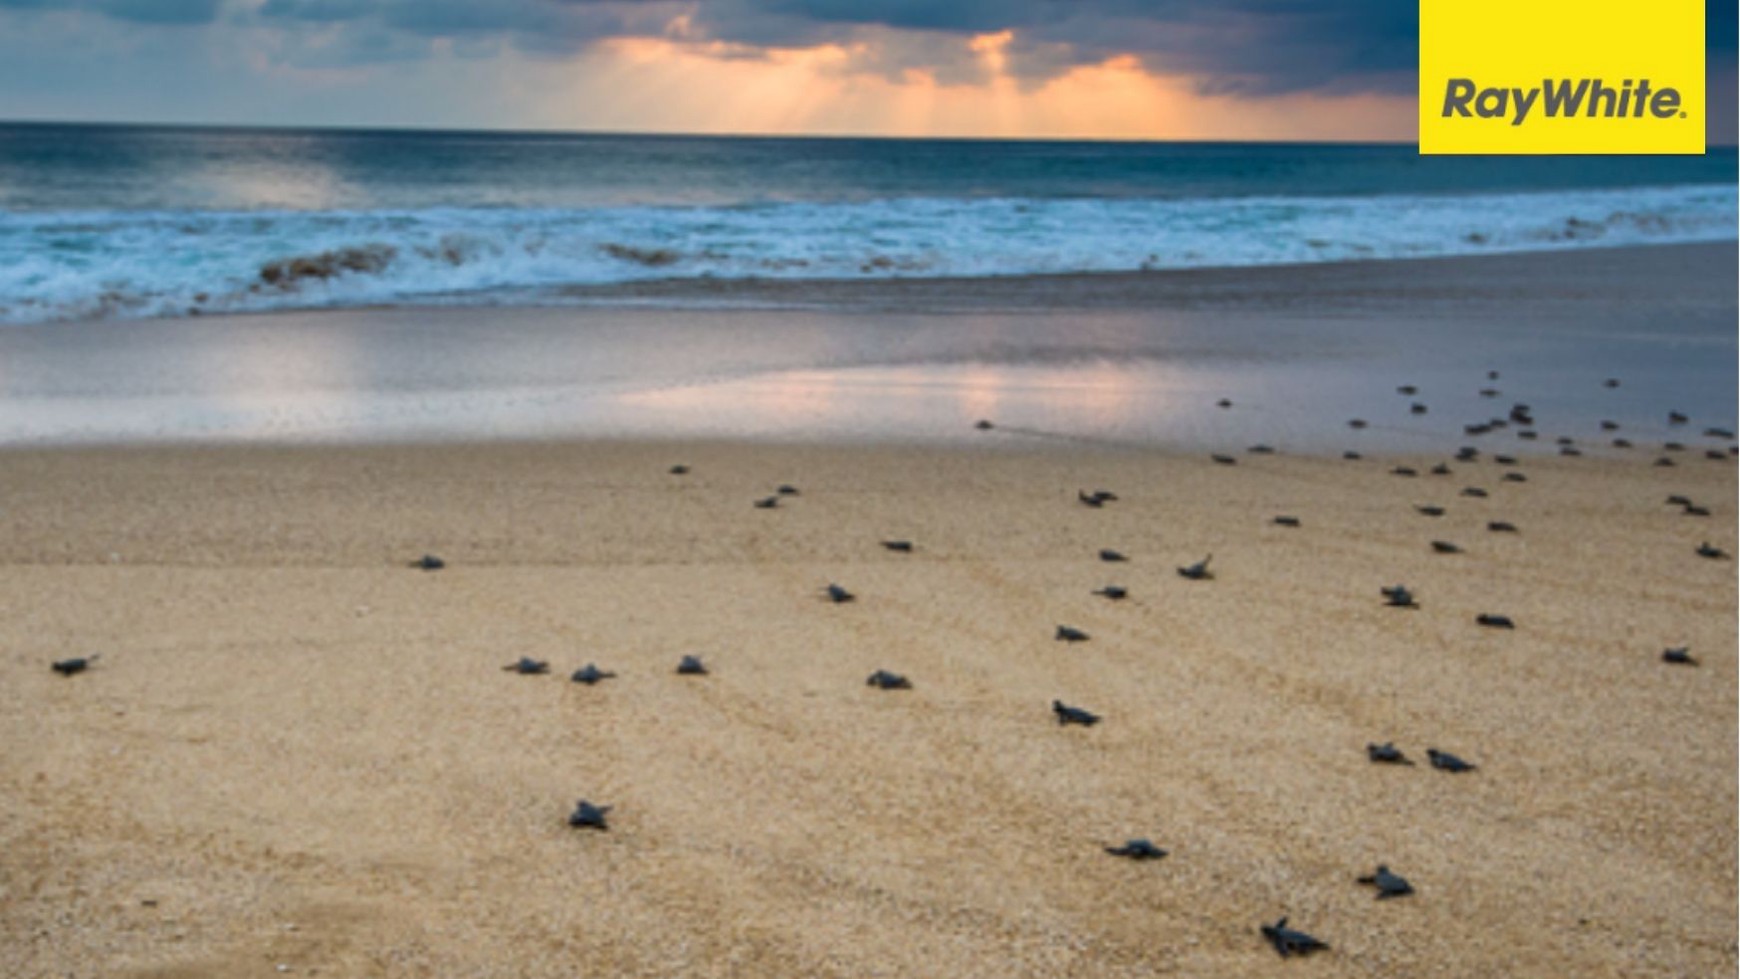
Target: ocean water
(103,222)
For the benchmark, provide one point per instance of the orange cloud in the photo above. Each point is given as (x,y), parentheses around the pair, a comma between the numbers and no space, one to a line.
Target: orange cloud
(674,84)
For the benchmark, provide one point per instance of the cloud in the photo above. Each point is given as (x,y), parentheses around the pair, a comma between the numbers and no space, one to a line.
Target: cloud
(1255,47)
(1238,48)
(168,12)
(549,27)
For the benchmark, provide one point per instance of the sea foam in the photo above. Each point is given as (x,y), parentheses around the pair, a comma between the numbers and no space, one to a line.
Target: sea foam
(80,265)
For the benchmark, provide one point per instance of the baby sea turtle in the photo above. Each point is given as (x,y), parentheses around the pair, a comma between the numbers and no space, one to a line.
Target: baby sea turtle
(1621,443)
(1223,403)
(1678,500)
(1480,428)
(588,816)
(1224,460)
(1677,418)
(1073,715)
(1408,389)
(429,562)
(1387,754)
(1445,547)
(1089,499)
(1609,426)
(1069,634)
(898,546)
(1288,941)
(1113,592)
(1261,450)
(984,425)
(1446,762)
(679,470)
(1404,471)
(1356,423)
(1198,571)
(836,594)
(1467,453)
(526,666)
(1693,510)
(1494,621)
(1501,527)
(786,489)
(1713,553)
(1388,884)
(1514,477)
(590,674)
(1718,433)
(1475,492)
(1681,655)
(1528,434)
(884,680)
(1504,460)
(691,666)
(1430,511)
(1285,521)
(71,667)
(1611,382)
(1416,408)
(1492,375)
(1352,456)
(1107,554)
(1572,451)
(1489,392)
(1137,849)
(1398,596)
(767,503)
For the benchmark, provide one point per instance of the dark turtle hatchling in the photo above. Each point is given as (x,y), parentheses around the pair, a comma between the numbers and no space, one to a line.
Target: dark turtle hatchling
(1288,941)
(588,816)
(1444,761)
(1137,849)
(1388,884)
(1073,715)
(884,680)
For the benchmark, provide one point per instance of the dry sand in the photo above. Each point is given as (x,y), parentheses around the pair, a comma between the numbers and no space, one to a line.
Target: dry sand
(296,750)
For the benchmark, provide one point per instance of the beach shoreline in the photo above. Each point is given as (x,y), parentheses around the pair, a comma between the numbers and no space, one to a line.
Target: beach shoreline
(1126,359)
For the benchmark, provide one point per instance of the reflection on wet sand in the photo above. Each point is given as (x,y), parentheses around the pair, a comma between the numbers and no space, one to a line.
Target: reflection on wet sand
(1138,374)
(931,400)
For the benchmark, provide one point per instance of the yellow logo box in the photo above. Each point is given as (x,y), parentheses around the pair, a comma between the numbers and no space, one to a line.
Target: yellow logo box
(1561,76)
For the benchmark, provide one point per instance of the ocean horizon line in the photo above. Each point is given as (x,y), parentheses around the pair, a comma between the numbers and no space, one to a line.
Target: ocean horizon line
(553,133)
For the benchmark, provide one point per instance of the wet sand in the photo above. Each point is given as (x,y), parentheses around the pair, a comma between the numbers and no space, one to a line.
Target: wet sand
(1138,358)
(296,750)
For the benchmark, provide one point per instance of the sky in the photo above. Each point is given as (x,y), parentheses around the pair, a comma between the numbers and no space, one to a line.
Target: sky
(1113,69)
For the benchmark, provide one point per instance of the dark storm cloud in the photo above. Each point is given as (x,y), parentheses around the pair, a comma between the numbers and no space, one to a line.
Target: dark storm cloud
(550,27)
(1236,47)
(138,11)
(1232,46)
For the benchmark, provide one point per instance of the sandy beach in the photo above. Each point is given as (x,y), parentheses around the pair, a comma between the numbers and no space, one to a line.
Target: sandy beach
(297,751)
(297,754)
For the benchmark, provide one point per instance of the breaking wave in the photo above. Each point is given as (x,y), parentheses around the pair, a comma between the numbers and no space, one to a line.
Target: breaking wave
(69,266)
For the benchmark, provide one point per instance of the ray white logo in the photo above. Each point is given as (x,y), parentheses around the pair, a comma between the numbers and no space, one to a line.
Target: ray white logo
(1590,98)
(1561,76)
